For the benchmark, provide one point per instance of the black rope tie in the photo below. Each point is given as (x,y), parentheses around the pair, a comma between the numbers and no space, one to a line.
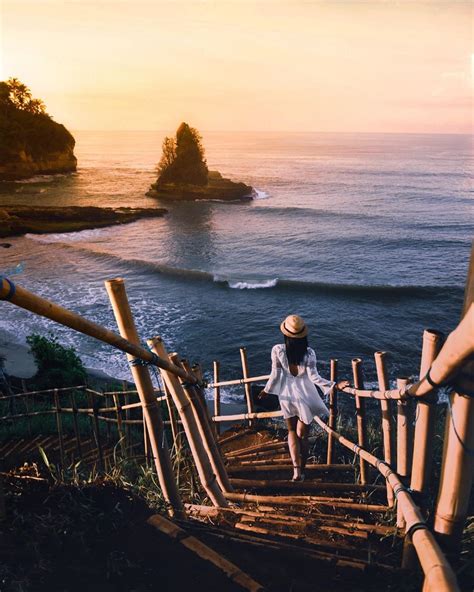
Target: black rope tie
(397,490)
(140,362)
(12,288)
(415,527)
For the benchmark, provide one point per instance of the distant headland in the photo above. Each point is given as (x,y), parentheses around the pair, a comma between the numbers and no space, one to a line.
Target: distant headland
(31,142)
(183,173)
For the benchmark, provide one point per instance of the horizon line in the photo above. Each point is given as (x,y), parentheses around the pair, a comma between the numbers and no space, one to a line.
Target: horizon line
(228,131)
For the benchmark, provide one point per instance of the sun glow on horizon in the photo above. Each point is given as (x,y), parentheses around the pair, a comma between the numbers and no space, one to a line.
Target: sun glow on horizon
(261,65)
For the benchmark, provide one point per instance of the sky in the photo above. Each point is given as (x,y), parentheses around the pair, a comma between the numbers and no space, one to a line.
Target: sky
(262,65)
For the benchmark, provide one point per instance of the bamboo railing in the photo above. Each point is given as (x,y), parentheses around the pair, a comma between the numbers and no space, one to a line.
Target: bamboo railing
(183,387)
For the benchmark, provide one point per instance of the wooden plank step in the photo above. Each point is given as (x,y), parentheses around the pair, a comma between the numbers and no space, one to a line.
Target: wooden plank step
(306,501)
(339,560)
(206,553)
(273,467)
(350,523)
(287,485)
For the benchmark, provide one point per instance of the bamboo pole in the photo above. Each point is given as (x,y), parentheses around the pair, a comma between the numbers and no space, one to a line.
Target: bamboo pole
(126,398)
(151,410)
(247,387)
(425,420)
(234,573)
(310,485)
(238,381)
(217,395)
(59,425)
(439,575)
(205,431)
(75,424)
(457,471)
(27,404)
(24,299)
(332,412)
(173,422)
(385,407)
(197,371)
(403,444)
(121,435)
(239,416)
(95,428)
(360,411)
(183,405)
(305,501)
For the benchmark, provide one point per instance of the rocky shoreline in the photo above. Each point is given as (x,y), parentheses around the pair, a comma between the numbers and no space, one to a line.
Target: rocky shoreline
(18,220)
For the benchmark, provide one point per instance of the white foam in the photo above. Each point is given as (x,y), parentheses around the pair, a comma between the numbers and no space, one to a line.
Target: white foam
(62,237)
(40,179)
(260,194)
(252,284)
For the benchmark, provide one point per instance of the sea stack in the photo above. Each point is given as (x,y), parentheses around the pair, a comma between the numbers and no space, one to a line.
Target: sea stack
(31,143)
(183,173)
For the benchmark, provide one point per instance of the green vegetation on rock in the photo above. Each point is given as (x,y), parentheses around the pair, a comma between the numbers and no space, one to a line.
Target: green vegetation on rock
(30,141)
(183,160)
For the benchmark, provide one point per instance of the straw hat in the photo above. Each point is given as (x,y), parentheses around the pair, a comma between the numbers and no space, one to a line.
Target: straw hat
(294,326)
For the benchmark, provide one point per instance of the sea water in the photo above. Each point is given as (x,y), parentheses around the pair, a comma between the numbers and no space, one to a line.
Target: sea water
(367,236)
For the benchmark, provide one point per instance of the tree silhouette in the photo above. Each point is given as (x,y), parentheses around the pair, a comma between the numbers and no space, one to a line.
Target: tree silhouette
(16,94)
(183,160)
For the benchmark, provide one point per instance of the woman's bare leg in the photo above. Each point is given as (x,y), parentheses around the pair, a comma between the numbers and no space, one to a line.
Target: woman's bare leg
(302,431)
(294,446)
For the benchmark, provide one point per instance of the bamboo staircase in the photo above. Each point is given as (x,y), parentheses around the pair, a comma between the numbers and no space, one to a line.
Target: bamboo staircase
(336,516)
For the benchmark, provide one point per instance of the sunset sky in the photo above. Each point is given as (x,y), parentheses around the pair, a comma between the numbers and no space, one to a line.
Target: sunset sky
(378,65)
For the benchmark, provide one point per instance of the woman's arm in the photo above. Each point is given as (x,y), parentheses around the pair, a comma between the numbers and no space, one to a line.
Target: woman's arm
(316,378)
(273,382)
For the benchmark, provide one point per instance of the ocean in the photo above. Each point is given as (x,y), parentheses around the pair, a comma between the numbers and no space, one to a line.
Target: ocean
(367,236)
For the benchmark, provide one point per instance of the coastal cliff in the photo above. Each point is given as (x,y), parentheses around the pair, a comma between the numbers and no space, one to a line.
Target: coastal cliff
(183,173)
(31,142)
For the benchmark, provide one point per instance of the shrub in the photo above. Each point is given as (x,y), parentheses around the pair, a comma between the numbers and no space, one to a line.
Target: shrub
(58,366)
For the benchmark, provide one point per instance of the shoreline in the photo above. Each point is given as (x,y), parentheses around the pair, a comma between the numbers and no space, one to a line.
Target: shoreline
(20,220)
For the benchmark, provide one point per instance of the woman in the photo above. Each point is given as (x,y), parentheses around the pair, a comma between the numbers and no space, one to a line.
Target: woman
(293,378)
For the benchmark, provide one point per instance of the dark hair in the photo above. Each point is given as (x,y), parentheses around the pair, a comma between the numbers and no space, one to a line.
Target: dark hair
(296,349)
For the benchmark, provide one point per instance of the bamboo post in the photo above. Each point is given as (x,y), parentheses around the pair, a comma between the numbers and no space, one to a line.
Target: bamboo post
(173,421)
(205,430)
(75,424)
(360,413)
(425,420)
(438,573)
(457,470)
(197,371)
(183,405)
(27,405)
(93,403)
(332,412)
(118,413)
(385,407)
(126,399)
(403,444)
(217,395)
(59,425)
(247,387)
(151,411)
(108,434)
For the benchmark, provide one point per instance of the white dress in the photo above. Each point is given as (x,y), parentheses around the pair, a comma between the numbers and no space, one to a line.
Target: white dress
(298,395)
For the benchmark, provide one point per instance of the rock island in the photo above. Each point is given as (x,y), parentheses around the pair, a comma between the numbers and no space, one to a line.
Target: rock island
(183,173)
